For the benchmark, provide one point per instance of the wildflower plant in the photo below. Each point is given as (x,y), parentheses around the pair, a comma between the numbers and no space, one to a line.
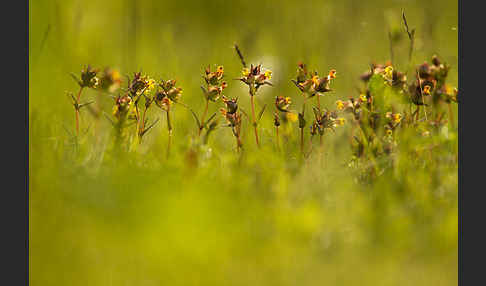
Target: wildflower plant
(88,79)
(310,84)
(233,119)
(282,105)
(166,95)
(378,113)
(254,77)
(212,92)
(121,110)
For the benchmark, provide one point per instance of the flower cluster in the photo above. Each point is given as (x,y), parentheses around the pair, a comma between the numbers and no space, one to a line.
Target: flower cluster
(392,76)
(233,117)
(122,106)
(255,78)
(354,105)
(325,120)
(310,83)
(214,82)
(282,103)
(167,93)
(140,85)
(110,80)
(88,77)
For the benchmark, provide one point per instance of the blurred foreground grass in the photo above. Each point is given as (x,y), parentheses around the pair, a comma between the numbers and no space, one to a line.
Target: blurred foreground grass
(101,218)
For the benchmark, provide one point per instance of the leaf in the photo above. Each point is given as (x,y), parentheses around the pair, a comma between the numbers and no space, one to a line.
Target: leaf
(193,114)
(150,127)
(67,130)
(195,118)
(204,90)
(76,79)
(240,55)
(109,119)
(244,113)
(261,112)
(209,120)
(317,114)
(86,103)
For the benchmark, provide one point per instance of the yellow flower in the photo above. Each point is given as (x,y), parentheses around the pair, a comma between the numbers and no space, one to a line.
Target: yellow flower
(115,110)
(389,132)
(340,104)
(292,117)
(389,72)
(150,84)
(397,117)
(287,100)
(115,75)
(245,72)
(268,74)
(332,74)
(362,97)
(448,89)
(340,121)
(220,69)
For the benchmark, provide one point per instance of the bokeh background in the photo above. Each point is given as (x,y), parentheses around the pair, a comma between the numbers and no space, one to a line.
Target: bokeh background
(96,219)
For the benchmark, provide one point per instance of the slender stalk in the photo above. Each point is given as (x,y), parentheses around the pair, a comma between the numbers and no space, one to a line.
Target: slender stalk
(142,128)
(277,139)
(169,128)
(422,95)
(78,97)
(238,143)
(302,141)
(451,115)
(137,114)
(143,120)
(254,120)
(238,140)
(203,116)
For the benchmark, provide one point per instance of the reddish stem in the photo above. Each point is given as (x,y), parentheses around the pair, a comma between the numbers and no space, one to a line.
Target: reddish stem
(254,120)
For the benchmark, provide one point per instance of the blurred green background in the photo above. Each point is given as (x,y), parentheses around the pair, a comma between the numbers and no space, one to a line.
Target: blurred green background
(98,218)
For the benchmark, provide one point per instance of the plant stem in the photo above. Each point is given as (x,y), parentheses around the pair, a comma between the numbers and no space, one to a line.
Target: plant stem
(137,114)
(238,143)
(142,128)
(203,116)
(169,127)
(254,120)
(277,140)
(78,97)
(302,141)
(451,116)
